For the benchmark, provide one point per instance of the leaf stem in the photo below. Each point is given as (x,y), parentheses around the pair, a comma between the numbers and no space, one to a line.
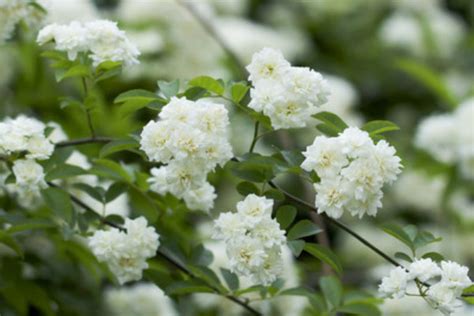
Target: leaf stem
(255,137)
(84,141)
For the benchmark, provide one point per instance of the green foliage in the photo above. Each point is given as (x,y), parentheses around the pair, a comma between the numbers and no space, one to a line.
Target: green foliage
(324,254)
(117,146)
(208,83)
(332,124)
(378,127)
(285,215)
(303,228)
(410,236)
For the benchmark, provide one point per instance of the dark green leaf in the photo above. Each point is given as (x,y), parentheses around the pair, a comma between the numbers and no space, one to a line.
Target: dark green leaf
(403,256)
(63,171)
(285,215)
(110,169)
(137,94)
(208,83)
(238,91)
(324,254)
(361,309)
(331,120)
(117,145)
(60,202)
(332,290)
(424,238)
(434,256)
(11,243)
(75,71)
(296,247)
(143,204)
(114,191)
(245,188)
(379,127)
(231,279)
(397,232)
(169,89)
(328,130)
(187,287)
(302,229)
(91,191)
(274,194)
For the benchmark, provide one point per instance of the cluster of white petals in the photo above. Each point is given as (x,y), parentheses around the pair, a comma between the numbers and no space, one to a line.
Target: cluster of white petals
(101,39)
(14,11)
(353,171)
(126,252)
(23,140)
(142,299)
(253,239)
(446,282)
(449,137)
(191,138)
(287,95)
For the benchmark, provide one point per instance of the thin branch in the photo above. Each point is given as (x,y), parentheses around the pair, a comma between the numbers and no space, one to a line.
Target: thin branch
(208,27)
(88,112)
(165,256)
(84,141)
(255,137)
(338,224)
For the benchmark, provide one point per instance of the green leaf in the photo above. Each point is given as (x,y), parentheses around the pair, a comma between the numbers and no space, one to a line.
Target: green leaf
(110,169)
(296,246)
(208,83)
(194,93)
(331,120)
(252,170)
(437,257)
(169,89)
(245,188)
(403,256)
(429,79)
(324,254)
(91,191)
(143,204)
(274,194)
(302,229)
(397,232)
(328,130)
(65,102)
(231,279)
(187,287)
(60,202)
(285,215)
(424,238)
(107,69)
(362,309)
(136,94)
(75,71)
(116,146)
(11,243)
(238,91)
(116,189)
(332,290)
(30,224)
(63,171)
(379,127)
(469,299)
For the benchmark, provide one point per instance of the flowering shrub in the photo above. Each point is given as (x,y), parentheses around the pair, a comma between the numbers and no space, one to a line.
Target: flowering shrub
(117,196)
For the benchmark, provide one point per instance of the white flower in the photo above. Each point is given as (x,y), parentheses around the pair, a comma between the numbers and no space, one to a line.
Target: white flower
(267,64)
(253,208)
(395,284)
(455,276)
(142,299)
(253,239)
(423,269)
(449,138)
(101,38)
(25,134)
(28,173)
(332,196)
(443,298)
(192,139)
(14,11)
(287,95)
(126,252)
(353,171)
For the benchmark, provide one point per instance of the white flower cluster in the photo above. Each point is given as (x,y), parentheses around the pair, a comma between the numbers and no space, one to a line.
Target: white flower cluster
(449,137)
(14,11)
(353,171)
(126,252)
(101,38)
(143,299)
(446,283)
(288,95)
(253,239)
(192,139)
(23,139)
